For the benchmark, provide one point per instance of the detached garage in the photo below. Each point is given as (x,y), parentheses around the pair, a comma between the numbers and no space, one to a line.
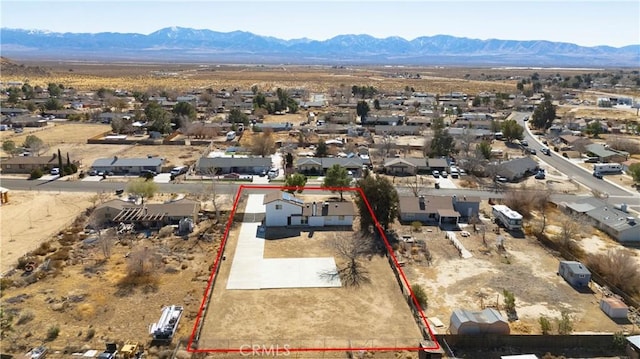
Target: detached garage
(488,321)
(614,308)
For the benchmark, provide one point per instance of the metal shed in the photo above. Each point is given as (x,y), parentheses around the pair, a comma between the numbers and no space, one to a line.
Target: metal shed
(614,308)
(575,273)
(487,321)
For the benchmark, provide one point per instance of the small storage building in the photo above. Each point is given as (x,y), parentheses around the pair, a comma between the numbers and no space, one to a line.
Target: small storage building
(487,321)
(575,273)
(614,308)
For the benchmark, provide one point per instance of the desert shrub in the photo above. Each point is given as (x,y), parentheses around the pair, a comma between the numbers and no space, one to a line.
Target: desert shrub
(165,232)
(509,300)
(545,325)
(5,283)
(618,267)
(52,333)
(421,295)
(25,317)
(44,249)
(416,226)
(565,324)
(35,174)
(142,264)
(61,254)
(90,334)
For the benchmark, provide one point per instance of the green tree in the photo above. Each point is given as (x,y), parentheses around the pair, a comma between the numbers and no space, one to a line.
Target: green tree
(237,116)
(442,143)
(483,149)
(477,101)
(158,117)
(295,182)
(509,301)
(362,109)
(184,109)
(27,91)
(520,86)
(54,90)
(34,143)
(60,168)
(544,114)
(259,100)
(594,128)
(421,295)
(143,188)
(498,103)
(322,150)
(337,177)
(382,197)
(9,147)
(286,102)
(288,160)
(511,130)
(634,171)
(545,325)
(53,104)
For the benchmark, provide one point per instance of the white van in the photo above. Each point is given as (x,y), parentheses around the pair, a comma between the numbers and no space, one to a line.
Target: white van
(231,135)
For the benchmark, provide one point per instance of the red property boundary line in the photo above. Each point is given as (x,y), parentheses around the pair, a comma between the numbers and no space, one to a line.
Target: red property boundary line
(208,292)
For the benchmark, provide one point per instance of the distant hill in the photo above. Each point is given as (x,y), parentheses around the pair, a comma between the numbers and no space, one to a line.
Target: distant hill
(10,68)
(191,45)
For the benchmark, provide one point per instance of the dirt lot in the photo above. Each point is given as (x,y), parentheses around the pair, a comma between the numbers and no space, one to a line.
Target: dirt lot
(173,155)
(526,268)
(89,295)
(374,314)
(31,218)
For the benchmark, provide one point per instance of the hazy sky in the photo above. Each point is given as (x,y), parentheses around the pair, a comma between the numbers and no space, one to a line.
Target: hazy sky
(587,23)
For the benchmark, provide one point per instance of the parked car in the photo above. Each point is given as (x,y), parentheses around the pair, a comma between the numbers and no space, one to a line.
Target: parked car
(524,143)
(546,151)
(436,174)
(55,171)
(444,174)
(231,175)
(532,151)
(145,173)
(501,179)
(93,173)
(540,175)
(597,175)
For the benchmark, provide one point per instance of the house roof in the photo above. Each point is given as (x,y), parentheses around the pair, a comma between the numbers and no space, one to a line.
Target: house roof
(614,218)
(448,213)
(128,162)
(583,205)
(32,160)
(273,196)
(634,340)
(157,211)
(468,199)
(226,162)
(328,162)
(404,162)
(576,267)
(517,167)
(330,209)
(437,162)
(601,151)
(429,204)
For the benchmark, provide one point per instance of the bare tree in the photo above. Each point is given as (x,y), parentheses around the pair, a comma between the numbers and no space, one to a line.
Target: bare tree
(210,191)
(619,268)
(539,202)
(263,145)
(351,249)
(105,236)
(570,227)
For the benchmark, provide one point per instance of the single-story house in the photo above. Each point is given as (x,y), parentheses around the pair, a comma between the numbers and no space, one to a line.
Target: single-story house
(405,166)
(615,220)
(26,164)
(575,273)
(25,121)
(390,120)
(284,209)
(397,130)
(427,209)
(234,164)
(11,111)
(607,154)
(108,117)
(128,166)
(517,168)
(437,164)
(320,164)
(487,321)
(419,121)
(148,215)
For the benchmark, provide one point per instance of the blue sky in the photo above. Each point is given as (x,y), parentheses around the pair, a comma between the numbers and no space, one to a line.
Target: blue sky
(587,23)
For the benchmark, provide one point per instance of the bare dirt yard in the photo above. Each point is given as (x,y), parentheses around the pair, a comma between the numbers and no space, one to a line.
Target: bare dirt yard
(374,314)
(88,290)
(173,155)
(32,217)
(525,268)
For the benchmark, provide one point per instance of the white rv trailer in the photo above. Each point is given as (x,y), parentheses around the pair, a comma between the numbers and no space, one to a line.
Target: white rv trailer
(509,218)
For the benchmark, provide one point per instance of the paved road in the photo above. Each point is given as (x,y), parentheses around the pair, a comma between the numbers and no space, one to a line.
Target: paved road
(575,172)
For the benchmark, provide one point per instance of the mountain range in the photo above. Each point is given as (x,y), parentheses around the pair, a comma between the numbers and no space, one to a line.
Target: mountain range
(175,44)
